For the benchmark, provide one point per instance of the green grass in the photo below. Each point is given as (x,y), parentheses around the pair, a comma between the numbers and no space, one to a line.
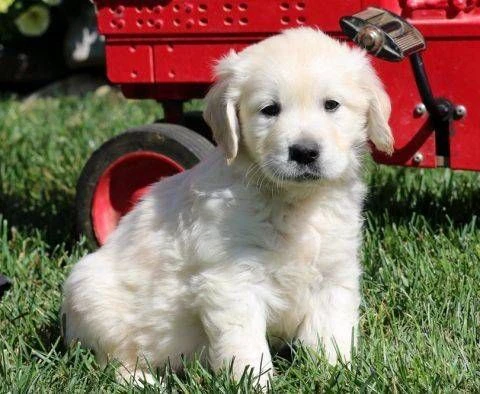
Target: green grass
(420,324)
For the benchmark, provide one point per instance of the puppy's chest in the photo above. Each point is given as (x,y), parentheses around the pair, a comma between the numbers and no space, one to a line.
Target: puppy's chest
(292,236)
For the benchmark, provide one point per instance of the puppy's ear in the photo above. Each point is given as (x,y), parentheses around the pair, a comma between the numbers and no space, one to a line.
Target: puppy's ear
(379,110)
(220,111)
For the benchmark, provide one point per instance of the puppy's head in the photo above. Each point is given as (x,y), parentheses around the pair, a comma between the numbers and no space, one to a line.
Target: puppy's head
(300,105)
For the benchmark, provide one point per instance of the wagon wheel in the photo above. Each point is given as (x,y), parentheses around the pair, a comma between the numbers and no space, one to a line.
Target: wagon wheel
(121,170)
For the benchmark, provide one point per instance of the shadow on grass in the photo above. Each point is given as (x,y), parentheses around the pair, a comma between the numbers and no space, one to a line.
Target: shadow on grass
(442,202)
(48,335)
(53,216)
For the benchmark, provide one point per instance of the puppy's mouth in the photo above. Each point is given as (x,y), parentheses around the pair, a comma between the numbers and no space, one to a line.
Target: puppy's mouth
(306,176)
(295,173)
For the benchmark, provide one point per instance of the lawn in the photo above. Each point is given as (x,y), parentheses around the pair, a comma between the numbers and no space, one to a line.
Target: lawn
(420,320)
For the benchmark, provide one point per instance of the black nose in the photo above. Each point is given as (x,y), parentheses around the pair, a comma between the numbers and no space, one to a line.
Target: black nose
(305,152)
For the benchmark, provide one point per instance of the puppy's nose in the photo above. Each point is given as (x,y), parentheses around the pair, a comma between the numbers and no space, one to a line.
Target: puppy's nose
(305,152)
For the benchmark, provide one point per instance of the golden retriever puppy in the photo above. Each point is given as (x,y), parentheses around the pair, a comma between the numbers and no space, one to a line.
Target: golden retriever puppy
(259,241)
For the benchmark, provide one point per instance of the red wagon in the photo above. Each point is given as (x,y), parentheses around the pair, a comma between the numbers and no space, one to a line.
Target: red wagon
(164,49)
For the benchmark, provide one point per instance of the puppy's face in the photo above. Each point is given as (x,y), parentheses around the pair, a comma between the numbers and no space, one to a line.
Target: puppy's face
(302,119)
(301,105)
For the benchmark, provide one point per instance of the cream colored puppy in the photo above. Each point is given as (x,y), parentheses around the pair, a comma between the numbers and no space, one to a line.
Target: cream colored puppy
(260,240)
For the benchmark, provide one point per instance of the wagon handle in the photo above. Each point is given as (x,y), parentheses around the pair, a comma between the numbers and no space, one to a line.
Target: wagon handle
(383,34)
(390,37)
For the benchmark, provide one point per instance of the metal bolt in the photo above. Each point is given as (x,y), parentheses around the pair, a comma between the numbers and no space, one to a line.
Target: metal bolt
(460,111)
(442,108)
(370,38)
(418,157)
(420,109)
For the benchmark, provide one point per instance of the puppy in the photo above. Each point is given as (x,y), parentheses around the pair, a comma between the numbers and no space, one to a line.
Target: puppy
(260,240)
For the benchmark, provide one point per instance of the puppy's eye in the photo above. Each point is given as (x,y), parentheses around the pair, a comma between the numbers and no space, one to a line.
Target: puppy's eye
(271,110)
(331,105)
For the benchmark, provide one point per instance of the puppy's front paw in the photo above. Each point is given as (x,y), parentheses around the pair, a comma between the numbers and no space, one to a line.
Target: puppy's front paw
(332,350)
(336,352)
(137,377)
(259,380)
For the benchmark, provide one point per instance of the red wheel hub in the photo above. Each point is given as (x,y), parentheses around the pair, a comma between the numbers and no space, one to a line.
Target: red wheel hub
(123,183)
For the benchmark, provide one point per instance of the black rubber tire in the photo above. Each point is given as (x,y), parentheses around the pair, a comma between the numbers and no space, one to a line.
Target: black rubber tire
(182,145)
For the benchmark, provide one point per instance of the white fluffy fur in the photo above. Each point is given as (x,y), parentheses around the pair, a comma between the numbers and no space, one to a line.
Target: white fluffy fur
(218,257)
